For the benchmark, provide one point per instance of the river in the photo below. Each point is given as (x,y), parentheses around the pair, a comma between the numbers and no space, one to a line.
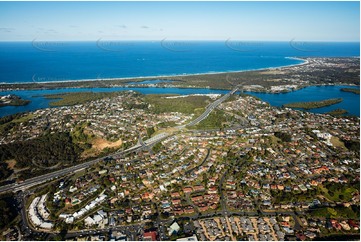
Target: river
(351,101)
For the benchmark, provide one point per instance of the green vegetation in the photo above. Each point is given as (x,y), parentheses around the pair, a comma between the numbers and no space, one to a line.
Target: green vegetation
(5,172)
(68,99)
(12,122)
(352,90)
(80,137)
(316,104)
(215,120)
(337,143)
(285,197)
(352,212)
(283,136)
(46,150)
(337,192)
(10,118)
(337,112)
(352,145)
(265,78)
(14,101)
(166,124)
(150,131)
(7,210)
(187,105)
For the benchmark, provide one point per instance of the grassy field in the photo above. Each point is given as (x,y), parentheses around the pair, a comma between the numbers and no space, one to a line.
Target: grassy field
(338,143)
(337,195)
(316,104)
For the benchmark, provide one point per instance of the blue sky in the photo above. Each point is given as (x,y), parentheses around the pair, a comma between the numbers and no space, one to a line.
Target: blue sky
(266,21)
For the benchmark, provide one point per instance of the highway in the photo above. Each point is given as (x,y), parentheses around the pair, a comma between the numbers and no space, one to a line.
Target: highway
(212,106)
(14,187)
(53,175)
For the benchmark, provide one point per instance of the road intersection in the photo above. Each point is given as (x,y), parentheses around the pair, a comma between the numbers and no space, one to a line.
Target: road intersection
(15,187)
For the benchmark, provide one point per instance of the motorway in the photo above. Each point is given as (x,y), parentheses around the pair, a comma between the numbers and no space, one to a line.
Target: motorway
(211,107)
(14,187)
(66,171)
(132,231)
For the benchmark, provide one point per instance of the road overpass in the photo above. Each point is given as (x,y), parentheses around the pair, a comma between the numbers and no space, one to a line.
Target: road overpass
(69,170)
(14,187)
(211,107)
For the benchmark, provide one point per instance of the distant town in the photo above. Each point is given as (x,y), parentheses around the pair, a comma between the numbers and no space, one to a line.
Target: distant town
(180,120)
(313,71)
(168,167)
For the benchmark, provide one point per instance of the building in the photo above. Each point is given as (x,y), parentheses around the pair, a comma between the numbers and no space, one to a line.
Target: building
(173,229)
(191,238)
(150,236)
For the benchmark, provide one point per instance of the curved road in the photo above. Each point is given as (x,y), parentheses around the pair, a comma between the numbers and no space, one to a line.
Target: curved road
(53,175)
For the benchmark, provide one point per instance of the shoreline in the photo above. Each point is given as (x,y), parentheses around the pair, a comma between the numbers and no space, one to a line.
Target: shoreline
(304,62)
(213,80)
(74,81)
(254,93)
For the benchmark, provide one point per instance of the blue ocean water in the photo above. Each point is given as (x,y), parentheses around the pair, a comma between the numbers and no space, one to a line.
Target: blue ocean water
(42,61)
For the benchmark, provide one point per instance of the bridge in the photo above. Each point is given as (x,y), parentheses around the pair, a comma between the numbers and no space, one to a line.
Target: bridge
(14,187)
(212,106)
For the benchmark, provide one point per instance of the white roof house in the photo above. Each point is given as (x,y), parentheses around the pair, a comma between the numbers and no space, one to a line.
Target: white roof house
(97,218)
(174,228)
(89,221)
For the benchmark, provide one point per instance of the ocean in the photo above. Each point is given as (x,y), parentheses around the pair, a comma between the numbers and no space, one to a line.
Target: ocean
(43,61)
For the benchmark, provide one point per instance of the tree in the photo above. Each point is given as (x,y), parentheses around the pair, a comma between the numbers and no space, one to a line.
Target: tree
(150,131)
(283,136)
(7,214)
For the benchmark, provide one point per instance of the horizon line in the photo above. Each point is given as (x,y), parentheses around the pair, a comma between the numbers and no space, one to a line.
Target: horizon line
(188,40)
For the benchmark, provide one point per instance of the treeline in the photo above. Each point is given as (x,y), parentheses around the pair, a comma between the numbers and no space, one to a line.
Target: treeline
(352,145)
(215,120)
(316,104)
(69,99)
(5,172)
(6,123)
(45,150)
(186,105)
(10,118)
(7,210)
(352,90)
(17,101)
(337,112)
(352,212)
(283,136)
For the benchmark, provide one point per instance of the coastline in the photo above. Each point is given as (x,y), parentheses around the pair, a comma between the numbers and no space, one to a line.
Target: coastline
(141,78)
(266,78)
(38,100)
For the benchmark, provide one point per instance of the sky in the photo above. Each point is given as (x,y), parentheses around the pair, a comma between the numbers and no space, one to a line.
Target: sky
(266,21)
